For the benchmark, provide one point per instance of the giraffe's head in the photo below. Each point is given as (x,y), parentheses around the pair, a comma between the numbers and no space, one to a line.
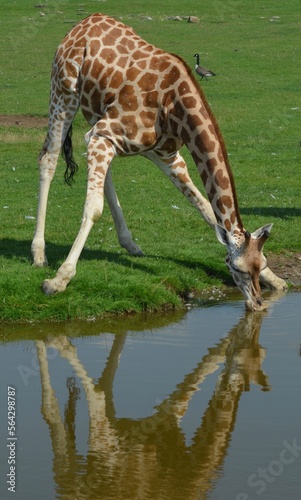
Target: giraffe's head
(245,261)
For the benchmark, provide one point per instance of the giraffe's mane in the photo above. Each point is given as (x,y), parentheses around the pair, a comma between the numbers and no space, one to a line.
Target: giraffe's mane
(217,131)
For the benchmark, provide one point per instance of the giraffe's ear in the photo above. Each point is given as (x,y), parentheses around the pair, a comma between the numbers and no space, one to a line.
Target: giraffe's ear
(261,235)
(223,236)
(262,232)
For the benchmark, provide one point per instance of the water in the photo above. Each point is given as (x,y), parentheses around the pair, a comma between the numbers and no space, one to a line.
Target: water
(198,405)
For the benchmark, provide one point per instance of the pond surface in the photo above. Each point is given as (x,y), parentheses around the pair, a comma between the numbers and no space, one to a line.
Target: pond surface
(198,405)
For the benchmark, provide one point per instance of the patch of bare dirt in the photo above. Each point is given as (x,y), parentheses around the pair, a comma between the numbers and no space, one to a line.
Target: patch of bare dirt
(25,121)
(287,266)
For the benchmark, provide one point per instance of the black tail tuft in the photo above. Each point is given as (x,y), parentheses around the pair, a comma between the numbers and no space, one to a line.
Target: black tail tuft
(67,153)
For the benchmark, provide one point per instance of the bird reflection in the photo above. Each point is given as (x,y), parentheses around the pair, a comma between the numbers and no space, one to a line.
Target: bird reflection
(149,458)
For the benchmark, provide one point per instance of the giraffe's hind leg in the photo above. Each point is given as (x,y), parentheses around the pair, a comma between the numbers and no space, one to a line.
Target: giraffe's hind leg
(100,155)
(124,236)
(60,120)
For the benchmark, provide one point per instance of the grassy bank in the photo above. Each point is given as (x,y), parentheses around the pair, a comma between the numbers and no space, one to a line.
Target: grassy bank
(254,49)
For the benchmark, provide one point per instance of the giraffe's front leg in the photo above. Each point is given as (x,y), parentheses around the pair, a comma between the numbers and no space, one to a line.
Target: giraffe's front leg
(100,155)
(269,279)
(175,168)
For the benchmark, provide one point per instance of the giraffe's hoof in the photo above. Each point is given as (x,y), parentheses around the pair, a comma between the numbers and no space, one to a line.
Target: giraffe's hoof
(40,260)
(43,263)
(258,306)
(132,248)
(137,253)
(47,288)
(38,254)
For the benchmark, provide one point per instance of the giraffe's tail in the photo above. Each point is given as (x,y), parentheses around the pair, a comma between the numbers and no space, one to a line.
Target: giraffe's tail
(67,153)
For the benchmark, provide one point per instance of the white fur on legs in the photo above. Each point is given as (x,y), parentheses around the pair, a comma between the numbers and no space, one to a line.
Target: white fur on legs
(58,128)
(269,279)
(68,269)
(47,162)
(124,236)
(98,165)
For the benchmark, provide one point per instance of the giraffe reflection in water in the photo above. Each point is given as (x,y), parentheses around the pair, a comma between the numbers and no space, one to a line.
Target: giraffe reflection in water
(149,458)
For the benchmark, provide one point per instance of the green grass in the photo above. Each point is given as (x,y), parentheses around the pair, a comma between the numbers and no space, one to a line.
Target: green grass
(254,97)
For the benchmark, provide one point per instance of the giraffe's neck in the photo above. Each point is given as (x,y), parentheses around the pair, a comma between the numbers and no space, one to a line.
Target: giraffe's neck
(200,133)
(209,154)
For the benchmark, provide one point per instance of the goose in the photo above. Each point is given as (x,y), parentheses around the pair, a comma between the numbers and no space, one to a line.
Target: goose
(200,70)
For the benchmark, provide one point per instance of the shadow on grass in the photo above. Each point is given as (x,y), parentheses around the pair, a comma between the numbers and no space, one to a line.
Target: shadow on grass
(10,249)
(276,212)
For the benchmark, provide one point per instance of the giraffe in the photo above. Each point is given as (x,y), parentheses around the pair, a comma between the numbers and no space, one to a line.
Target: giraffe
(140,100)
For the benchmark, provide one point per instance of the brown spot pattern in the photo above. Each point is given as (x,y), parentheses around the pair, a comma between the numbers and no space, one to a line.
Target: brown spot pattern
(194,121)
(94,48)
(108,55)
(147,82)
(130,125)
(127,98)
(170,78)
(95,69)
(116,80)
(150,99)
(221,179)
(227,224)
(184,88)
(189,102)
(148,138)
(148,118)
(224,203)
